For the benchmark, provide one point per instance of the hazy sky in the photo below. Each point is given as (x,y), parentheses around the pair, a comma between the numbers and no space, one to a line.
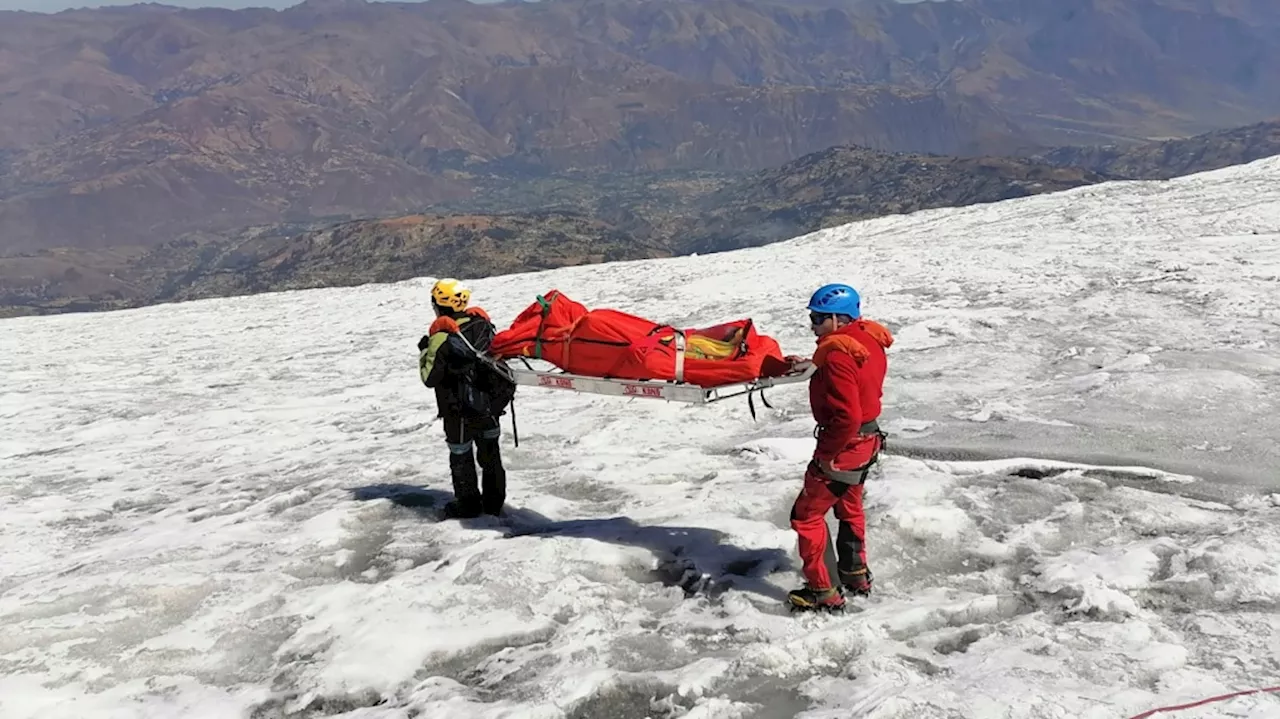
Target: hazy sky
(56,5)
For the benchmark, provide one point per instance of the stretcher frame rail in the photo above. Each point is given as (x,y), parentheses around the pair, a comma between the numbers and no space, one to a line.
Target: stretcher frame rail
(669,390)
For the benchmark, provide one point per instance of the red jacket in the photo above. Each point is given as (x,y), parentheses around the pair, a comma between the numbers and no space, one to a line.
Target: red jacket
(845,391)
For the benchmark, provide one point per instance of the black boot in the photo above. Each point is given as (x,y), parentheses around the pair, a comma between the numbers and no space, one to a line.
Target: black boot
(854,574)
(857,582)
(466,493)
(489,456)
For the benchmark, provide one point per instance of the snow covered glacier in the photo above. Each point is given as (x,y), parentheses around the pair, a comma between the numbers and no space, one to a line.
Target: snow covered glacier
(227,508)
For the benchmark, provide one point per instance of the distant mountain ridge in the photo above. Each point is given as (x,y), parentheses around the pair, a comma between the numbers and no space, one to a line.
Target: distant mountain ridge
(134,126)
(556,221)
(1164,160)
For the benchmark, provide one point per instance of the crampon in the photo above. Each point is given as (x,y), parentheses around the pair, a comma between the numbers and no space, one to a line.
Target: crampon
(808,599)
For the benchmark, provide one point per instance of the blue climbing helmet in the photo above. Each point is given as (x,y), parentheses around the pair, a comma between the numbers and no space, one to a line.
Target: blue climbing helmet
(836,299)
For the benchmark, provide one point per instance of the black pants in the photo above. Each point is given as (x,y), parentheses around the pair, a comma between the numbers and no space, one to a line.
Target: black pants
(461,435)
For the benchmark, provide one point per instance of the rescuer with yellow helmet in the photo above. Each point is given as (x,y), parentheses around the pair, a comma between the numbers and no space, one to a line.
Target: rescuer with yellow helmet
(470,396)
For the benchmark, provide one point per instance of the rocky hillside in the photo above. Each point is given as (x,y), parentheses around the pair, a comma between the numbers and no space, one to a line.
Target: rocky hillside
(592,221)
(350,253)
(844,184)
(1163,160)
(398,248)
(580,218)
(134,125)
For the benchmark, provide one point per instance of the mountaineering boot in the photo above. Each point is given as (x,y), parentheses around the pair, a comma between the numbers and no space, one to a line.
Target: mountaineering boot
(822,599)
(456,510)
(857,582)
(494,483)
(466,492)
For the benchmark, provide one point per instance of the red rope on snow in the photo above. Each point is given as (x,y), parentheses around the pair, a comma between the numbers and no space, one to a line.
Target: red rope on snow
(1202,702)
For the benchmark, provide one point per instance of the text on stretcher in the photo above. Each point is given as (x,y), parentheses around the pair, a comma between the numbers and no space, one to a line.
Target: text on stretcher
(637,389)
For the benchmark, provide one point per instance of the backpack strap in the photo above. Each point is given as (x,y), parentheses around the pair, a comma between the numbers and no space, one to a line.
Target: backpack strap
(499,367)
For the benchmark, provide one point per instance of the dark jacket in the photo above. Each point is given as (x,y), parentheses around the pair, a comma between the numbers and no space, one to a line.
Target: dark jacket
(444,358)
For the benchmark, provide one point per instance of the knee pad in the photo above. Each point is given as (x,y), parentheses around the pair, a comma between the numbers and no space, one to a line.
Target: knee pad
(463,448)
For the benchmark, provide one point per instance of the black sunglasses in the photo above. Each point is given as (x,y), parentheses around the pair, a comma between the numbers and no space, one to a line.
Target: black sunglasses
(817,318)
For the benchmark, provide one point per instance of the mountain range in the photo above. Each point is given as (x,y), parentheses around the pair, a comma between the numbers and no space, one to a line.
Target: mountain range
(147,150)
(562,220)
(136,125)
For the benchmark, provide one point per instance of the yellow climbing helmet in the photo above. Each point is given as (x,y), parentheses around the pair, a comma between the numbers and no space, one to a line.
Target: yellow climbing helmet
(448,292)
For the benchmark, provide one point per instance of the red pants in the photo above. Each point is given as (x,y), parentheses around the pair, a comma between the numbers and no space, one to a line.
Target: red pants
(809,519)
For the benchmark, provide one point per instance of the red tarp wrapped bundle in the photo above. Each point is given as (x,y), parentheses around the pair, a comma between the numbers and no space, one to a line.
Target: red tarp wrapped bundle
(612,344)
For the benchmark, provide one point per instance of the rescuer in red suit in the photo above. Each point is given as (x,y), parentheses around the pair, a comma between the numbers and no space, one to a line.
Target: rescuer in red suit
(844,396)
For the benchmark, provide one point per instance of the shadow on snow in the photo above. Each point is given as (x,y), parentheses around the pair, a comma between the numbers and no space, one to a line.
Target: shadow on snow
(697,559)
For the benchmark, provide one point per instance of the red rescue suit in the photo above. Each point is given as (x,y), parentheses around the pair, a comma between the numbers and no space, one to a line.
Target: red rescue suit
(844,396)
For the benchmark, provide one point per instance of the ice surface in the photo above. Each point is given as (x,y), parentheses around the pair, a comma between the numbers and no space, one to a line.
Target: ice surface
(228,508)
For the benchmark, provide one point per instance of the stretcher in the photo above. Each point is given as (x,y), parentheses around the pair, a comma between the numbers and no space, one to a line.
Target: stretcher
(669,390)
(607,352)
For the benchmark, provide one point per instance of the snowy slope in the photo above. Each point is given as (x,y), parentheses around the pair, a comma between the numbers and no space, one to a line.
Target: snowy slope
(227,508)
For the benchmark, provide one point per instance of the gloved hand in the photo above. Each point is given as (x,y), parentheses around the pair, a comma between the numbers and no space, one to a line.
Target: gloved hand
(422,343)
